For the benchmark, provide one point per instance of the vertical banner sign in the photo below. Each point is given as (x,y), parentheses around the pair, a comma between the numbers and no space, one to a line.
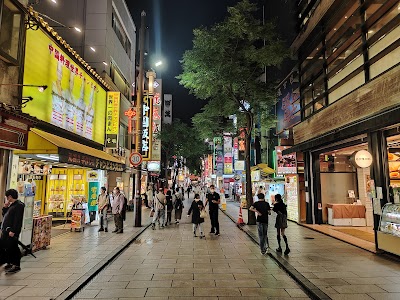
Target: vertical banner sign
(210,164)
(147,132)
(236,148)
(217,145)
(206,167)
(157,100)
(219,156)
(94,190)
(167,117)
(112,122)
(228,161)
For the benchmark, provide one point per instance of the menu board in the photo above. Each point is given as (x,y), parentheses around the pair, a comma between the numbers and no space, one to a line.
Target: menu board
(41,232)
(292,198)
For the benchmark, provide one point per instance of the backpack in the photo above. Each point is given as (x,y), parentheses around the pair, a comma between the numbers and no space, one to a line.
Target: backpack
(178,202)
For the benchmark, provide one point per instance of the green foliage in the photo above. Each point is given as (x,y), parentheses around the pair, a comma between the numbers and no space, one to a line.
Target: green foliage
(225,64)
(179,139)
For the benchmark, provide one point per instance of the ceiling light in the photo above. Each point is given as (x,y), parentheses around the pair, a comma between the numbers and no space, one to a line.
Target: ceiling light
(370,31)
(54,1)
(47,157)
(334,28)
(345,17)
(105,63)
(78,29)
(92,48)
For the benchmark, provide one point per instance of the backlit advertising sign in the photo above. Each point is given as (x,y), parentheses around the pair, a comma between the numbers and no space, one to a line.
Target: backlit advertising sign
(73,100)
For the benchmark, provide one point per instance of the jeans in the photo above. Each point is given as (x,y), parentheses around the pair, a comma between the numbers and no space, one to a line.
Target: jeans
(214,220)
(159,215)
(103,218)
(262,229)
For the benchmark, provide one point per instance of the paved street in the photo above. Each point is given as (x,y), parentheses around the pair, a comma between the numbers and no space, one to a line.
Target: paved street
(171,263)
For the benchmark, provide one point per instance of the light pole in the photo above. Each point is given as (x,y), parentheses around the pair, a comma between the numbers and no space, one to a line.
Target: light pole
(138,200)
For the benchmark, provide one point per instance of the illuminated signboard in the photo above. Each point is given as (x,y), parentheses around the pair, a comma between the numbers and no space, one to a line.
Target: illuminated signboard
(157,100)
(73,100)
(112,121)
(147,132)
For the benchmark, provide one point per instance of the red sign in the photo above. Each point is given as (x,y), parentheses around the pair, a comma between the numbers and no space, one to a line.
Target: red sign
(130,113)
(135,159)
(13,131)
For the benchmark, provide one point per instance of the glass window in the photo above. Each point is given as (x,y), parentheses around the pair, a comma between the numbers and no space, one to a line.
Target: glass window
(121,34)
(10,29)
(395,11)
(372,7)
(345,52)
(351,19)
(312,65)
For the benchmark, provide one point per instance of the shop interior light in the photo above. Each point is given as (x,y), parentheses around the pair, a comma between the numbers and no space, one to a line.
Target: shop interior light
(93,49)
(77,29)
(105,63)
(54,158)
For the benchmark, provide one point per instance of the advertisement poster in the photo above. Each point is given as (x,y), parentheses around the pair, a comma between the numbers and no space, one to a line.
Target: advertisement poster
(228,158)
(112,123)
(76,218)
(94,191)
(41,235)
(288,105)
(285,164)
(291,197)
(73,100)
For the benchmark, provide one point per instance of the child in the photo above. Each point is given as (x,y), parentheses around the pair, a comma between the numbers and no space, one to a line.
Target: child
(195,209)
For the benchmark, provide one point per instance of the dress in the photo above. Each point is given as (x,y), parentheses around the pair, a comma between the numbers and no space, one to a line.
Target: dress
(281,215)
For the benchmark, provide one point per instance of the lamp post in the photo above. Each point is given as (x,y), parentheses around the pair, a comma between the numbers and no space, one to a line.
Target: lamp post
(139,106)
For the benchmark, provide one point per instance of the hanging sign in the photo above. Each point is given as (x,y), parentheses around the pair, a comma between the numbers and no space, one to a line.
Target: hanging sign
(112,121)
(93,194)
(147,132)
(131,114)
(157,100)
(361,159)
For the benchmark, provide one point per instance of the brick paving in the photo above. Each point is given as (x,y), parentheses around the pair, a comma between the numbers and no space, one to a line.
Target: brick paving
(340,270)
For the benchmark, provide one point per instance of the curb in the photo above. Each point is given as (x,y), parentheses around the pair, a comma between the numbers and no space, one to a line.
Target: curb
(311,289)
(86,278)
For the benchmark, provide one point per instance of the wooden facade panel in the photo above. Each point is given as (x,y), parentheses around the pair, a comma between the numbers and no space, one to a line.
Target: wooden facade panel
(376,96)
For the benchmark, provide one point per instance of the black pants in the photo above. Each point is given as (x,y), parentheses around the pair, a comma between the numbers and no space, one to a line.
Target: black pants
(214,221)
(119,222)
(10,250)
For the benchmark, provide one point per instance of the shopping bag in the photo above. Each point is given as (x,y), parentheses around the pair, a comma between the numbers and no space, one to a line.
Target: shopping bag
(152,213)
(203,214)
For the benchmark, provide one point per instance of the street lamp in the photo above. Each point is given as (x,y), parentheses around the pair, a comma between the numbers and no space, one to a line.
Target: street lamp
(159,63)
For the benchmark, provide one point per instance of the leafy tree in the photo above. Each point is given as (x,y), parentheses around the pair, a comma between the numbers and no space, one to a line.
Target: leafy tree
(179,139)
(223,67)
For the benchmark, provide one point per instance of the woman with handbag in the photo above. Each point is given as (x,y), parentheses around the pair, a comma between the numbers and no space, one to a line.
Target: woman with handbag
(197,210)
(281,222)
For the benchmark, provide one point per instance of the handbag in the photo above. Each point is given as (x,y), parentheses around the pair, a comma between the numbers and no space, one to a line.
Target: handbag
(152,213)
(203,214)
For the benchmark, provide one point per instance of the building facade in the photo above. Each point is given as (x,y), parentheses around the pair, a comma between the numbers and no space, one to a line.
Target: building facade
(107,41)
(349,66)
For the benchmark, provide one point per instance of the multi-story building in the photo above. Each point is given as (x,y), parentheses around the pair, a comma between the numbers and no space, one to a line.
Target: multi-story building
(349,69)
(103,33)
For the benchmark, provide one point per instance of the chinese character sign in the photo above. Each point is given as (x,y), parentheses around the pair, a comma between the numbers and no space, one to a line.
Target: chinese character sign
(228,159)
(167,117)
(94,190)
(157,102)
(73,100)
(147,131)
(112,119)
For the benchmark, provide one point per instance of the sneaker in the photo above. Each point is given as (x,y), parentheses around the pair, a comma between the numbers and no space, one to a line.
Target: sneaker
(8,267)
(212,231)
(287,251)
(217,233)
(268,250)
(263,252)
(101,229)
(13,270)
(120,231)
(114,231)
(194,235)
(105,230)
(153,226)
(279,250)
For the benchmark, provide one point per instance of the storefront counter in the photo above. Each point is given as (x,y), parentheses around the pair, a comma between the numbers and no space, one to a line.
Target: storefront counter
(346,215)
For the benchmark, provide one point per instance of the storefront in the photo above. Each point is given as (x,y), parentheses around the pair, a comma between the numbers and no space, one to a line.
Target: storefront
(61,173)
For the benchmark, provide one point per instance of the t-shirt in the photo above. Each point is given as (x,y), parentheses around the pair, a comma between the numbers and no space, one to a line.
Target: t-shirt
(263,207)
(213,196)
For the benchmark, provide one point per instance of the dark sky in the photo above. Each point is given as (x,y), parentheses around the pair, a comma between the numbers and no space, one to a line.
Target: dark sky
(171,24)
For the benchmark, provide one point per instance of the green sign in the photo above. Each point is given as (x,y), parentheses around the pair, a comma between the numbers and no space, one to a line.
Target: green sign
(94,190)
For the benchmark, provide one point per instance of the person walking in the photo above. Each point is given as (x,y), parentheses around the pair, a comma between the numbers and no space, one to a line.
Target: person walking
(103,203)
(117,208)
(13,214)
(281,222)
(170,207)
(195,209)
(213,201)
(159,205)
(262,209)
(178,204)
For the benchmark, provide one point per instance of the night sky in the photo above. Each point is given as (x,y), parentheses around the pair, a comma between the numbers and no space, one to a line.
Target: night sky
(171,24)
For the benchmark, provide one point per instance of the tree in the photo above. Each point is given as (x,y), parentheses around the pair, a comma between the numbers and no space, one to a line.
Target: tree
(223,67)
(179,139)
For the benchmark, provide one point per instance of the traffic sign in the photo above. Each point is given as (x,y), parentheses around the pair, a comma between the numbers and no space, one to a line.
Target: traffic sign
(135,159)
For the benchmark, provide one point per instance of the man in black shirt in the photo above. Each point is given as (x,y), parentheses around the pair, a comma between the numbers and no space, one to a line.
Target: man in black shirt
(262,208)
(213,199)
(13,213)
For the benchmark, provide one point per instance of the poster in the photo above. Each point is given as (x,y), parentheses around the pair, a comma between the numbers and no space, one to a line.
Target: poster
(76,218)
(285,164)
(112,121)
(291,197)
(73,100)
(94,191)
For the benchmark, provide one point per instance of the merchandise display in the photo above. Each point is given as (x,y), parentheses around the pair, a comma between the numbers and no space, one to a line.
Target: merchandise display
(390,219)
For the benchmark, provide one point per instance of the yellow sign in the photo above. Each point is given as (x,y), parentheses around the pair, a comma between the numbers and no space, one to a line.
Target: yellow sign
(73,100)
(112,124)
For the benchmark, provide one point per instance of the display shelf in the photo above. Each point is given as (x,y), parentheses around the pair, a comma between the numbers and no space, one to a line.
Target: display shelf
(390,219)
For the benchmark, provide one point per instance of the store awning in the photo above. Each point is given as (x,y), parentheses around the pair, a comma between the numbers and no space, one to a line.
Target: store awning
(40,142)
